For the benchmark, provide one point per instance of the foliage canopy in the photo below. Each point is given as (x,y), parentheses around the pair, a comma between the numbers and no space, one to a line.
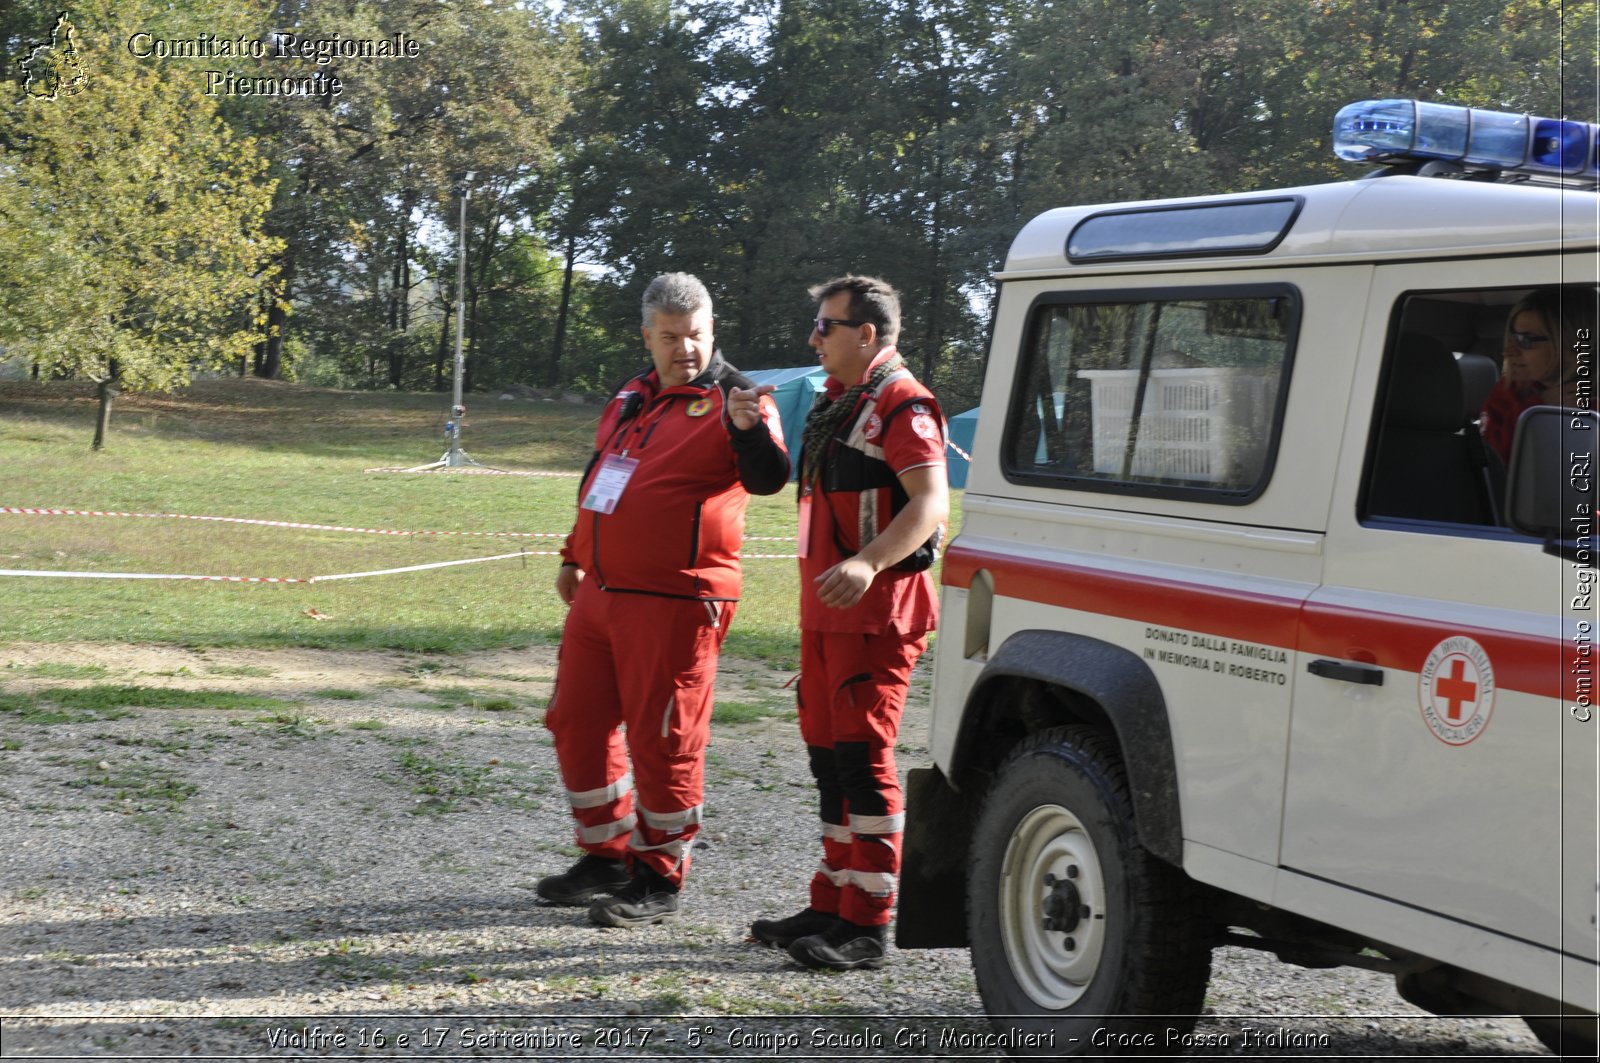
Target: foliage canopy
(762,144)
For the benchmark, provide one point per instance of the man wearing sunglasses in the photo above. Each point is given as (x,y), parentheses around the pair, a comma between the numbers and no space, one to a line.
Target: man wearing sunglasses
(874,498)
(651,575)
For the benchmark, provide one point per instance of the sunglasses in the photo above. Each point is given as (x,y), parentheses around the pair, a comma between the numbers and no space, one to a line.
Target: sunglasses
(826,323)
(1528,340)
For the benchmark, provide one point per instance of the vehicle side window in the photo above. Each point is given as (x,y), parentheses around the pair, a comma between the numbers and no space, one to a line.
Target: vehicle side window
(1442,428)
(1172,395)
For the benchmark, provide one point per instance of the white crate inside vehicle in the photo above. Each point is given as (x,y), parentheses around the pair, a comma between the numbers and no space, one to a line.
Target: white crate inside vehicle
(1205,425)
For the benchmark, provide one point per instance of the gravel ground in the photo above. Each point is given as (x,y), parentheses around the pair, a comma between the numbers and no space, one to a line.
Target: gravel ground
(346,869)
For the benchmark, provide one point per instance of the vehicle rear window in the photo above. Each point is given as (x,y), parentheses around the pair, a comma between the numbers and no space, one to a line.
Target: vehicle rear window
(1252,227)
(1175,394)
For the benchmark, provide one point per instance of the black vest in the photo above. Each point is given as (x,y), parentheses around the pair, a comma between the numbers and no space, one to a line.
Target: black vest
(851,464)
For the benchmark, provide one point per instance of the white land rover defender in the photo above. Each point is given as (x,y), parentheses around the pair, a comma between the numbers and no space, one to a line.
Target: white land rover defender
(1248,637)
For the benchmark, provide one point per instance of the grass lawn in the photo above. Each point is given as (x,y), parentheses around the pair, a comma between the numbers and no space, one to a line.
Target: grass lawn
(268,450)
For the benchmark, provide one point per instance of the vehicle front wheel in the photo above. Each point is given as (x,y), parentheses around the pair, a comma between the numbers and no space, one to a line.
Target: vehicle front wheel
(1077,931)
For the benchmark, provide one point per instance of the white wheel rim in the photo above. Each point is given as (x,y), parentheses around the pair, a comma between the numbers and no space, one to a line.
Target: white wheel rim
(1053,967)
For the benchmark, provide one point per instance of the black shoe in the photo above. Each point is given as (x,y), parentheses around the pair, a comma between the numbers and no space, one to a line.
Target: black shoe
(846,947)
(583,881)
(646,900)
(783,932)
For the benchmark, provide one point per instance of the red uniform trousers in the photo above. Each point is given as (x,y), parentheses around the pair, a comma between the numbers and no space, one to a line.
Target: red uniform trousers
(852,692)
(649,663)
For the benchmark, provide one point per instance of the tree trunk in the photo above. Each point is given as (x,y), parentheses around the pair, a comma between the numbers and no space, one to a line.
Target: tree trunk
(477,282)
(478,278)
(107,391)
(400,297)
(269,360)
(442,352)
(934,341)
(753,313)
(552,370)
(467,359)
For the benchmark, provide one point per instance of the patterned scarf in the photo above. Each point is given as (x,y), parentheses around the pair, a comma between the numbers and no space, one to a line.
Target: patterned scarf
(830,415)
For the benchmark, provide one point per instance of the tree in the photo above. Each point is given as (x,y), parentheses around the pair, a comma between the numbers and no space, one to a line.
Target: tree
(131,242)
(366,176)
(653,179)
(768,144)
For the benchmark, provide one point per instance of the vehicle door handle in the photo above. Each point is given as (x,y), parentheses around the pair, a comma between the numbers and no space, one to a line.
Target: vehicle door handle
(1345,671)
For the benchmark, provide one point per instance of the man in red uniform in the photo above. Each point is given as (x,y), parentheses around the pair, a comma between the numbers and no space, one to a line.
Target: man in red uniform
(874,498)
(651,574)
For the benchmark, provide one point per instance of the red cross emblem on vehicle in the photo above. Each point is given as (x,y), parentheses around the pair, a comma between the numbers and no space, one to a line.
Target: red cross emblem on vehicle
(1456,690)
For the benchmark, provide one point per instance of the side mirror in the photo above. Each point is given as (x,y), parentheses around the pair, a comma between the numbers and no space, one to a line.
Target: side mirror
(1551,486)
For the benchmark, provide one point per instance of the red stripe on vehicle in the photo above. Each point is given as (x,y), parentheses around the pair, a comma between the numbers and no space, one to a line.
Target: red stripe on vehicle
(1527,663)
(1241,615)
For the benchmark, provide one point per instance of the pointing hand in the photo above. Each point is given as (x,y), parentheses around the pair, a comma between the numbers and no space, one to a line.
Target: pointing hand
(744,405)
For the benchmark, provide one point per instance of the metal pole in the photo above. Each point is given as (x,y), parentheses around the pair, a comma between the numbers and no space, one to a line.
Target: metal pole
(454,455)
(461,296)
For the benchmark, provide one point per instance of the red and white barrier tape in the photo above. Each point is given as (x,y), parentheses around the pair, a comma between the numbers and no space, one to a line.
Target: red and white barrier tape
(148,575)
(300,525)
(40,511)
(270,579)
(436,564)
(471,471)
(61,574)
(958,450)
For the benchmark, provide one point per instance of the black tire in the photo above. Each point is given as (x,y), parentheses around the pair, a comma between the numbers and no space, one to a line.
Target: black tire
(1127,970)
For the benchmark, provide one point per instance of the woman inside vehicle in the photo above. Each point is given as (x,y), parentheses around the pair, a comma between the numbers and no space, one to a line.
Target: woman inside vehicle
(1549,360)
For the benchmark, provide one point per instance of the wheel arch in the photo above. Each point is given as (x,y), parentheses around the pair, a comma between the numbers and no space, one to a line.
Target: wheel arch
(1039,678)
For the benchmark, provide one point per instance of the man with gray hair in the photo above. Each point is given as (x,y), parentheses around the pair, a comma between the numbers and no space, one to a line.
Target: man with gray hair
(650,573)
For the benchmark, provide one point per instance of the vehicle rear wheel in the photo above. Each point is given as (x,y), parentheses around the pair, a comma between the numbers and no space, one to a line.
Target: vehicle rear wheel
(1076,929)
(1568,1036)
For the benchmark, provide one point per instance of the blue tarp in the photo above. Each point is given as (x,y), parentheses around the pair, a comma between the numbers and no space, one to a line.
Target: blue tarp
(796,389)
(963,426)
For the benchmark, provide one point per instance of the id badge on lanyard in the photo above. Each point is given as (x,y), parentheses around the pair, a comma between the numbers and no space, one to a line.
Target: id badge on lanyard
(609,481)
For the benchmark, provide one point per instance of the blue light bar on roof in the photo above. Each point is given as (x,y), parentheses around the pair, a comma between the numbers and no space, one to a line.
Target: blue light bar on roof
(1388,130)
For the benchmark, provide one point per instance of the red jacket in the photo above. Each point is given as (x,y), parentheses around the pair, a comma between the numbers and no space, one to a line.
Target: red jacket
(678,524)
(1497,422)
